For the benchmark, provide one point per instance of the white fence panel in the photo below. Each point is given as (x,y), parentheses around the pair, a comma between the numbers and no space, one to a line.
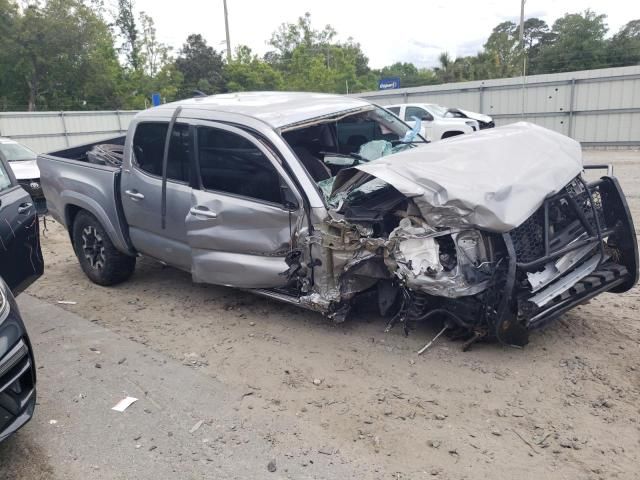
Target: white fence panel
(50,131)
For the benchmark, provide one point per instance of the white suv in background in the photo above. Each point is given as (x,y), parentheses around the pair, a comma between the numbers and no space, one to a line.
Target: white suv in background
(435,124)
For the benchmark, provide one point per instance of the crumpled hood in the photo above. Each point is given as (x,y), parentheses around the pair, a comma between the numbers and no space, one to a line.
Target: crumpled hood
(25,169)
(474,115)
(494,179)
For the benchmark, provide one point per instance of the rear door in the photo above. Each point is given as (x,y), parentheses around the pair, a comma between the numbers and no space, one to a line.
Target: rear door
(244,210)
(142,192)
(20,255)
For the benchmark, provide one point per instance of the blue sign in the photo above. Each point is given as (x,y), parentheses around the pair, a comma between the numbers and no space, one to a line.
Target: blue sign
(389,83)
(155,99)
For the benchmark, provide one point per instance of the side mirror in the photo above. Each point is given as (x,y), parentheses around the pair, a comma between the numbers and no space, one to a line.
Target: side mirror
(427,118)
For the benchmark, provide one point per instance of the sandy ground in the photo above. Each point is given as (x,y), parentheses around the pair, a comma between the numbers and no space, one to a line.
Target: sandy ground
(566,406)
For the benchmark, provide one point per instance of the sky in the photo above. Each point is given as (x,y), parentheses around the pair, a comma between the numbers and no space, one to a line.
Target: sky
(389,31)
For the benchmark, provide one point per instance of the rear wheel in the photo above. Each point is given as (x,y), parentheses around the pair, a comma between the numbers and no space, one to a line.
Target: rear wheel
(99,259)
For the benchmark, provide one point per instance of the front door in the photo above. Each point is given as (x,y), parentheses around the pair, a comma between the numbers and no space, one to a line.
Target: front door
(142,193)
(244,212)
(20,255)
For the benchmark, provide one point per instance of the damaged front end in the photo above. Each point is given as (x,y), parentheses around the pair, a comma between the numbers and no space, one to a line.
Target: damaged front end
(497,235)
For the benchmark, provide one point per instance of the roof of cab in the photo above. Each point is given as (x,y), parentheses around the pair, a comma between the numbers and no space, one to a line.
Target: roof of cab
(278,109)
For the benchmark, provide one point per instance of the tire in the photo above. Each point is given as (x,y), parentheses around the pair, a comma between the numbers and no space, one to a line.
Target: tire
(103,263)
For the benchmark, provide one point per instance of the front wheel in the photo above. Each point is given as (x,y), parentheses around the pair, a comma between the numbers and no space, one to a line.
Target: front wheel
(103,263)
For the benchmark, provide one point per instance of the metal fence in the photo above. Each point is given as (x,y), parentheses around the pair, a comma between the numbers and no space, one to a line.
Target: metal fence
(50,131)
(596,107)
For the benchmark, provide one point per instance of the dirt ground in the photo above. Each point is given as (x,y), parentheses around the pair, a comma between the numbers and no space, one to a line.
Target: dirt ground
(565,406)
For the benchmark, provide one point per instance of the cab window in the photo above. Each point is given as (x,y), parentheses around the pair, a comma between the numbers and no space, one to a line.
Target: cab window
(230,163)
(418,112)
(148,149)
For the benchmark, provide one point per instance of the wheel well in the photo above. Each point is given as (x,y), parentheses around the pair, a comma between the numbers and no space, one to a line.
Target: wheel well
(71,213)
(451,134)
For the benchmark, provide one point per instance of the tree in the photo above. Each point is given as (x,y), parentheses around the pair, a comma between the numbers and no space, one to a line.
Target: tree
(313,60)
(202,68)
(57,45)
(624,47)
(409,74)
(153,55)
(8,30)
(248,72)
(576,42)
(503,51)
(126,23)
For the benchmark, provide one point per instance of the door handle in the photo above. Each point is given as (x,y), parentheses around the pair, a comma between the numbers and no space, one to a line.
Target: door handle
(203,212)
(24,207)
(134,195)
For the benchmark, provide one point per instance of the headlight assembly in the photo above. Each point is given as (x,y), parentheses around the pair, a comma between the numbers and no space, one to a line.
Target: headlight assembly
(4,303)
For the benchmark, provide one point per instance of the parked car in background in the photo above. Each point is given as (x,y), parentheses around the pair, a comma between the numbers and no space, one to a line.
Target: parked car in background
(321,200)
(23,163)
(485,121)
(20,264)
(435,124)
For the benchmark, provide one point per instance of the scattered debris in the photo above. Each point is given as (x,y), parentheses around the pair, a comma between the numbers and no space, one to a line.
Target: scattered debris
(66,302)
(271,466)
(196,426)
(424,349)
(326,451)
(53,422)
(317,381)
(123,404)
(525,441)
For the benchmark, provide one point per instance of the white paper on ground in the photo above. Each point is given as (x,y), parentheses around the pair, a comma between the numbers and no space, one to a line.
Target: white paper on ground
(123,404)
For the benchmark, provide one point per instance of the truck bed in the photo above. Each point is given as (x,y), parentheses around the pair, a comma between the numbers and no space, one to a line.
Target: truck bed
(71,183)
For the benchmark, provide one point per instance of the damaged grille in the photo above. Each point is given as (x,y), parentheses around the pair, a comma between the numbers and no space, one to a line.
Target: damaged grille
(529,238)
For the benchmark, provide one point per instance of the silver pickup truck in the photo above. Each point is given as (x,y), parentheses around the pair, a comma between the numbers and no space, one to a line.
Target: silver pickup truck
(325,200)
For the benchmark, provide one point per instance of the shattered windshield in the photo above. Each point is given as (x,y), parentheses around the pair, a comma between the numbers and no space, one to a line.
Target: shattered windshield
(332,144)
(14,152)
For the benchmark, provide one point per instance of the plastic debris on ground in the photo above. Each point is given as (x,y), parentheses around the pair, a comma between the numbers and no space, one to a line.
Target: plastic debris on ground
(123,404)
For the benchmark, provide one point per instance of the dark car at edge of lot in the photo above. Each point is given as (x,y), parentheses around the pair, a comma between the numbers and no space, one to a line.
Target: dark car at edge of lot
(21,263)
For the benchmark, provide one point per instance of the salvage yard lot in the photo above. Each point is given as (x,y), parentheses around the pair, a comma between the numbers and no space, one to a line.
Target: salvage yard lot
(340,401)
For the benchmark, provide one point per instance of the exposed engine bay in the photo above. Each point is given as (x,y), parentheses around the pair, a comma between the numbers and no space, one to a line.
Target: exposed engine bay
(492,241)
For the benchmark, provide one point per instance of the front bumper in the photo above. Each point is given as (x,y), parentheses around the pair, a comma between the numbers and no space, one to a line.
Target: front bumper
(17,375)
(596,247)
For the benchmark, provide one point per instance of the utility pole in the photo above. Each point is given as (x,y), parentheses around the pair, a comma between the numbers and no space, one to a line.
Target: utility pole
(523,53)
(226,27)
(521,22)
